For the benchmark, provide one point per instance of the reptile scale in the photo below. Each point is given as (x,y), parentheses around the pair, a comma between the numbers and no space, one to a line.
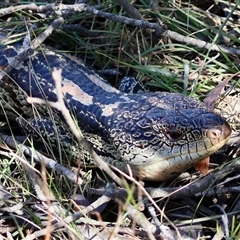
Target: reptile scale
(159,135)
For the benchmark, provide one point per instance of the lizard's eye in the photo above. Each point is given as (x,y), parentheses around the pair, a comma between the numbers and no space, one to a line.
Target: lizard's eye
(174,135)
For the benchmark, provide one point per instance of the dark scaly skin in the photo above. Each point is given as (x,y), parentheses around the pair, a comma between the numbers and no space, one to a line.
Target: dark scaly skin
(158,134)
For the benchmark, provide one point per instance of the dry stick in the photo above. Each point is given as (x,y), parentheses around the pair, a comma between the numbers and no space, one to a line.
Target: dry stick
(191,189)
(60,106)
(34,44)
(143,222)
(166,232)
(38,185)
(41,38)
(196,188)
(201,44)
(31,7)
(66,10)
(126,20)
(163,229)
(43,193)
(224,218)
(69,219)
(173,35)
(38,157)
(69,9)
(180,38)
(134,13)
(176,36)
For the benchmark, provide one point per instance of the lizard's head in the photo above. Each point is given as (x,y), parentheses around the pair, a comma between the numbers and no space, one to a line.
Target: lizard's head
(162,138)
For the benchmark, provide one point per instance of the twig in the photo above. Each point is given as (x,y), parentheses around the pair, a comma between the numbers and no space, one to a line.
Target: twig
(166,232)
(143,221)
(32,7)
(43,193)
(48,162)
(66,10)
(192,189)
(77,215)
(125,20)
(201,44)
(42,37)
(143,190)
(224,220)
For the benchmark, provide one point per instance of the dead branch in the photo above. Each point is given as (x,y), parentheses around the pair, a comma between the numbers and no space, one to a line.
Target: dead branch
(38,157)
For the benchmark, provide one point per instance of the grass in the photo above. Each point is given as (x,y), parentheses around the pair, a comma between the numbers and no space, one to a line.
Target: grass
(160,64)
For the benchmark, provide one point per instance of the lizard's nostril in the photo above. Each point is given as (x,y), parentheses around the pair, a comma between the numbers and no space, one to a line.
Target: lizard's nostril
(214,133)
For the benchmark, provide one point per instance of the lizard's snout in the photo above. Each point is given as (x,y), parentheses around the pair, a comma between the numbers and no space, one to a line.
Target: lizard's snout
(220,133)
